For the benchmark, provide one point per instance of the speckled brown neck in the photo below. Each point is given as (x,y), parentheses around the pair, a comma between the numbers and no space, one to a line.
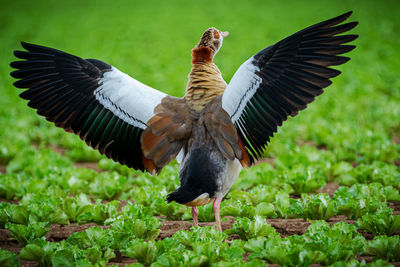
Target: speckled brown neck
(205,83)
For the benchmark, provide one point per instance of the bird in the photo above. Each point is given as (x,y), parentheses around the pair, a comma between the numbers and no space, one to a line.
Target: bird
(214,131)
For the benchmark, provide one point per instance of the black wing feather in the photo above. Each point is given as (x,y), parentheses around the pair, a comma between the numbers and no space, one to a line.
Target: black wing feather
(293,72)
(60,86)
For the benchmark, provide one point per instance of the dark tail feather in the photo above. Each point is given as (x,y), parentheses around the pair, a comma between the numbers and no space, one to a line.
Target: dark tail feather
(182,195)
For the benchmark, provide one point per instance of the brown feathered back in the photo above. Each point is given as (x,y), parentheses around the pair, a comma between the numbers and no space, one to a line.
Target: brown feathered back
(223,132)
(221,129)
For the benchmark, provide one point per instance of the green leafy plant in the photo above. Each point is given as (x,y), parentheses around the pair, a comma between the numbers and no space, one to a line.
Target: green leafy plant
(206,213)
(108,186)
(359,199)
(384,247)
(8,259)
(94,244)
(315,207)
(237,209)
(146,228)
(304,180)
(199,234)
(173,211)
(26,234)
(74,207)
(355,263)
(392,194)
(144,252)
(98,212)
(386,174)
(282,204)
(382,222)
(320,244)
(247,228)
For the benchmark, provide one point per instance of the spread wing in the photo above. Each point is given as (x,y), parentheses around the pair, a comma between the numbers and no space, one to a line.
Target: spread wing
(105,107)
(282,79)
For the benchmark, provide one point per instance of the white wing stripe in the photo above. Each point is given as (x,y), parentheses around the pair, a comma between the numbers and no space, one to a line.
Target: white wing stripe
(235,97)
(129,99)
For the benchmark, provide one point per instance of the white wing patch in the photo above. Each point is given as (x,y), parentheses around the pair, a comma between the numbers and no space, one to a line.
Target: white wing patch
(129,99)
(241,88)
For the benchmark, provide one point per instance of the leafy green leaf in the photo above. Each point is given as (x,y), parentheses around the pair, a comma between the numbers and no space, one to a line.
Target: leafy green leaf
(98,213)
(32,252)
(25,234)
(315,207)
(382,222)
(63,258)
(384,247)
(8,259)
(247,229)
(143,252)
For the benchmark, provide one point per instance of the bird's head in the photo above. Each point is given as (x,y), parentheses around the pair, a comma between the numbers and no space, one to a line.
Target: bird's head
(212,38)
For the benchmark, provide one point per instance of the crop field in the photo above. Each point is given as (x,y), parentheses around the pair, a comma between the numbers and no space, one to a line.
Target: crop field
(326,193)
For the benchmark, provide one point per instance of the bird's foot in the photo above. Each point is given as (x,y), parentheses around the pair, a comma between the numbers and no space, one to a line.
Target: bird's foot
(195,212)
(217,203)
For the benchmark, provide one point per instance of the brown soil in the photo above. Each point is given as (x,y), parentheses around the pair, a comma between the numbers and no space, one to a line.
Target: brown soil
(395,205)
(61,232)
(329,188)
(396,139)
(12,201)
(3,169)
(397,163)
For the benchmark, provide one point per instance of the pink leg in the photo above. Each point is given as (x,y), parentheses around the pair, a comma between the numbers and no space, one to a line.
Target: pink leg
(195,211)
(217,203)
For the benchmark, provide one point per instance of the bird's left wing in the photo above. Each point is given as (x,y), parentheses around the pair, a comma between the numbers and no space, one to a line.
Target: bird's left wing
(282,79)
(104,106)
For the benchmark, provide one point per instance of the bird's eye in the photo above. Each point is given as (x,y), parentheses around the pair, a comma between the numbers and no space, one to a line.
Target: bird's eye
(216,34)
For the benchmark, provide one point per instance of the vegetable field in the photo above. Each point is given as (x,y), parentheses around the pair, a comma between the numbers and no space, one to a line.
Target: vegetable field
(326,193)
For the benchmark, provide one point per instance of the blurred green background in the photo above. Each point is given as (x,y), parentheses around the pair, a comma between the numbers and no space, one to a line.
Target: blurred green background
(357,118)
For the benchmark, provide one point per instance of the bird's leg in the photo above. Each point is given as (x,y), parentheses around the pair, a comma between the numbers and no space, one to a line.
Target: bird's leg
(195,211)
(217,203)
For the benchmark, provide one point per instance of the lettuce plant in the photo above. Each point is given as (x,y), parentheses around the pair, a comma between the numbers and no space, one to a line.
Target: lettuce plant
(315,207)
(26,234)
(382,222)
(8,259)
(144,252)
(359,199)
(237,209)
(384,247)
(304,180)
(319,245)
(173,211)
(98,213)
(251,228)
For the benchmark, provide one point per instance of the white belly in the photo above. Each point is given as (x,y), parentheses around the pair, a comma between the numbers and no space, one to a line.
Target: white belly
(227,178)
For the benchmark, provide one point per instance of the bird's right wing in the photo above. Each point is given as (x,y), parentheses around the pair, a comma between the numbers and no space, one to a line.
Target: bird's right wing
(104,106)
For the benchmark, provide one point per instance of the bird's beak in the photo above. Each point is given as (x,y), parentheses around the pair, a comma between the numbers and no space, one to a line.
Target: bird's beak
(224,34)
